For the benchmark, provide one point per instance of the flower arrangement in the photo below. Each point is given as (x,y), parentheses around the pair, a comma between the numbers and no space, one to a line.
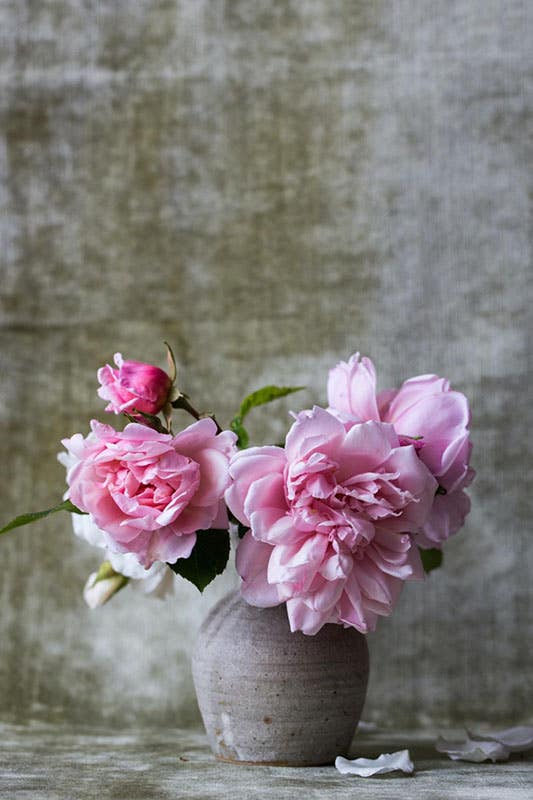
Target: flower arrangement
(359,499)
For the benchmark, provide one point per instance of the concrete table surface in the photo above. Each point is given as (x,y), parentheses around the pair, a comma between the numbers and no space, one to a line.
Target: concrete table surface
(63,763)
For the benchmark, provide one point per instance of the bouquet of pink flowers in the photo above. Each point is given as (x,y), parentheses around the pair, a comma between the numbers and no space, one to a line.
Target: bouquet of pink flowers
(359,499)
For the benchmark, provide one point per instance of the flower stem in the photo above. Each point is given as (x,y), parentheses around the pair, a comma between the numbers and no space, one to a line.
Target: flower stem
(183,402)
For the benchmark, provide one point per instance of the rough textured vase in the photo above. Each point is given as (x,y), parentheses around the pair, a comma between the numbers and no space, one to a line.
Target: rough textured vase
(274,697)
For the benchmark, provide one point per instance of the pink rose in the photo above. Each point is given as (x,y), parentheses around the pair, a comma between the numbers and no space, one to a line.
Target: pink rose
(425,413)
(329,518)
(133,386)
(148,491)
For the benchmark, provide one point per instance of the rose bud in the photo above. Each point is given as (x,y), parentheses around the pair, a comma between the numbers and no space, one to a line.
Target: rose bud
(134,386)
(102,585)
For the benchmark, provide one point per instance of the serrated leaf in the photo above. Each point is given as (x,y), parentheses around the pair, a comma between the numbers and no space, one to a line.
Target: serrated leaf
(257,398)
(431,559)
(208,558)
(25,519)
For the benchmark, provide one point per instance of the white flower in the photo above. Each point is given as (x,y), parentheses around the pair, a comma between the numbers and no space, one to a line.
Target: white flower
(158,580)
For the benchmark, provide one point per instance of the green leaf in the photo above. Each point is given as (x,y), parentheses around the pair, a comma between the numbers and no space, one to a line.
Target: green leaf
(431,559)
(25,519)
(265,395)
(208,558)
(242,434)
(257,398)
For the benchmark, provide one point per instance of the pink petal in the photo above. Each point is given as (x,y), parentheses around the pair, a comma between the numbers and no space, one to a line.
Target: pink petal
(337,565)
(324,594)
(245,468)
(251,562)
(166,546)
(221,521)
(352,388)
(266,492)
(447,515)
(214,476)
(374,584)
(365,447)
(196,437)
(390,567)
(302,618)
(195,518)
(274,526)
(412,391)
(418,481)
(302,559)
(350,609)
(312,431)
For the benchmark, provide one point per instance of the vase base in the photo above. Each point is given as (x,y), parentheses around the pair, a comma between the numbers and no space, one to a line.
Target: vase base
(292,764)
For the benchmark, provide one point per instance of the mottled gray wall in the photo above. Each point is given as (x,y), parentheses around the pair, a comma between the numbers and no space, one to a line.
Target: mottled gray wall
(269,186)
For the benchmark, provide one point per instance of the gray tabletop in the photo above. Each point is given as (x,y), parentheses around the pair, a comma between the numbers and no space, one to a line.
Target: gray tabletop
(46,761)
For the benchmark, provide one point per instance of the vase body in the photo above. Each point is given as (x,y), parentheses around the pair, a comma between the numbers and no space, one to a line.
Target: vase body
(270,696)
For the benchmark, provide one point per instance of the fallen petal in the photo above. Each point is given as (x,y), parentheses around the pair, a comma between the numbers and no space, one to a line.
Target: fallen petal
(366,767)
(471,750)
(517,740)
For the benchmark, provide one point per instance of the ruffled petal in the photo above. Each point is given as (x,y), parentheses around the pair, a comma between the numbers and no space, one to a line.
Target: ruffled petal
(304,619)
(251,562)
(313,430)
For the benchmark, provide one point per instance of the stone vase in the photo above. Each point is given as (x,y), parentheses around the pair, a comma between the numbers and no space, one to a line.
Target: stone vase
(269,696)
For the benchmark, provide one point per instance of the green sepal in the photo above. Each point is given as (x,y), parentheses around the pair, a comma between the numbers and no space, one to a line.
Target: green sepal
(172,370)
(25,519)
(106,571)
(208,558)
(153,421)
(431,559)
(257,398)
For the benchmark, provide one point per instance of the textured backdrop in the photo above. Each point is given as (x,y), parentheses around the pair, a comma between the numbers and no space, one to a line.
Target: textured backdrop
(269,186)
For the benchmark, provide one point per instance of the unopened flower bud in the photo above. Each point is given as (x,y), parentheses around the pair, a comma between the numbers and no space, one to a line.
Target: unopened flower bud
(134,386)
(102,585)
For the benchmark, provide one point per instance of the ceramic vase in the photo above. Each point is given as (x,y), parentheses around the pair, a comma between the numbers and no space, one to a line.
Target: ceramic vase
(269,696)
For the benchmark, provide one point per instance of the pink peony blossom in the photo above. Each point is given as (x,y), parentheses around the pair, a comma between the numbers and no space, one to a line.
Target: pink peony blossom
(133,386)
(148,491)
(329,518)
(425,413)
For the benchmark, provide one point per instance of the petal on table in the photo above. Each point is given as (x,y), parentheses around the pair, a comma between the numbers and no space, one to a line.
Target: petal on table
(386,762)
